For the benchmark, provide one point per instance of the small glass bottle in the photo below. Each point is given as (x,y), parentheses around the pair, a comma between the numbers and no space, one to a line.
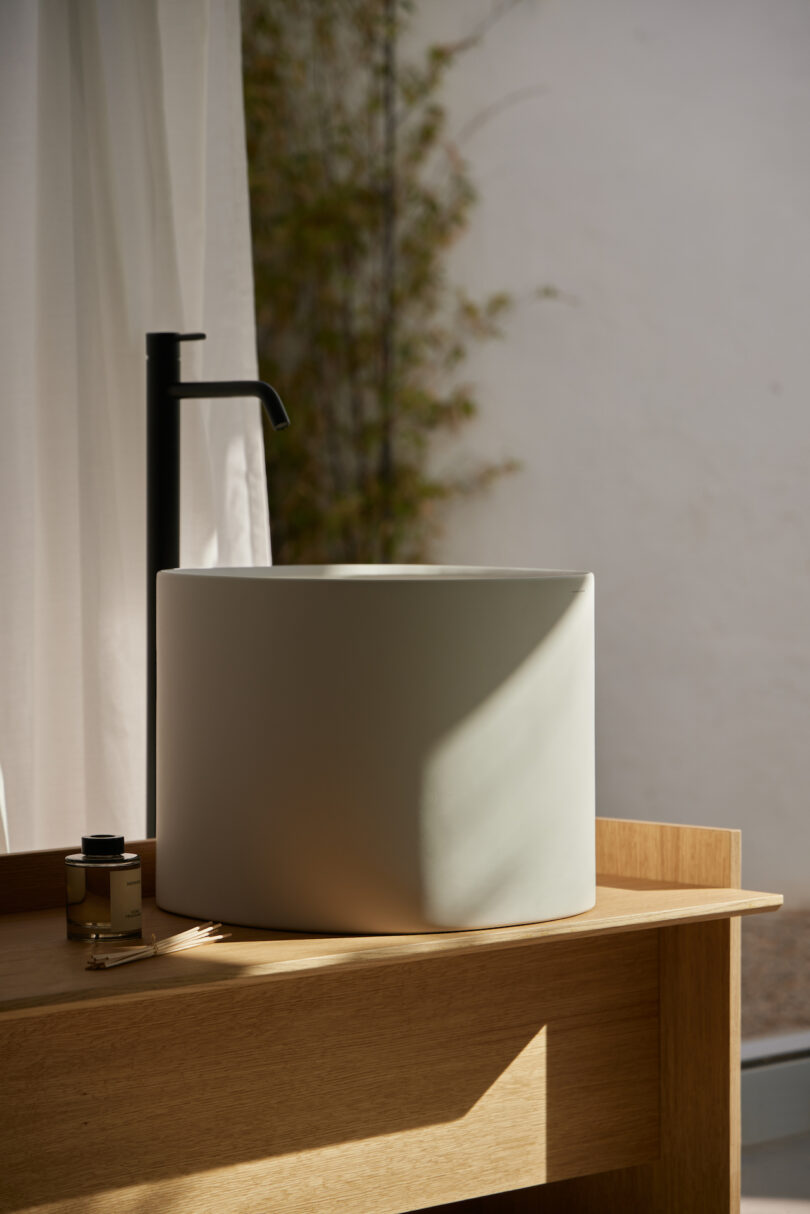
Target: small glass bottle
(103,888)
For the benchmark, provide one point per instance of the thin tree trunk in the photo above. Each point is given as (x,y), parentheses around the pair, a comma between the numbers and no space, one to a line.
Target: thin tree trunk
(388,333)
(330,400)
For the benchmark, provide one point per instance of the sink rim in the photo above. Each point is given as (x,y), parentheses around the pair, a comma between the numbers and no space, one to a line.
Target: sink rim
(377,573)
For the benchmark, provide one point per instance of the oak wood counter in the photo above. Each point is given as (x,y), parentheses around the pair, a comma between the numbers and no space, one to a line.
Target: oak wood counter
(589,1063)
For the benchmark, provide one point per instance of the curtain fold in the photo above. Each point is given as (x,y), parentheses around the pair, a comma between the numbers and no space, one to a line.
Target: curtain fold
(124,205)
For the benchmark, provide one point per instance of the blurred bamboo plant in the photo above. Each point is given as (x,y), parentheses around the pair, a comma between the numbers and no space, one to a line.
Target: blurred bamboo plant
(356,197)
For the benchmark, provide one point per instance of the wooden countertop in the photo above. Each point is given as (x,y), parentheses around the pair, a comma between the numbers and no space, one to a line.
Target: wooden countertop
(40,969)
(388,1073)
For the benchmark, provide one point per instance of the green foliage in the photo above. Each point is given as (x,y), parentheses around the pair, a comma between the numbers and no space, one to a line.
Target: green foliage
(356,198)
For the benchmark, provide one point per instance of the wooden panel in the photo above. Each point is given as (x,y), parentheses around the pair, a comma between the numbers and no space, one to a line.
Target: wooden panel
(35,880)
(40,968)
(359,1086)
(655,851)
(650,850)
(699,1168)
(381,1089)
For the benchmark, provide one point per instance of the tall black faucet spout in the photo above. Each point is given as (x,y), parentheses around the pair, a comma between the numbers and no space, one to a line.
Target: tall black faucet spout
(164,391)
(237,387)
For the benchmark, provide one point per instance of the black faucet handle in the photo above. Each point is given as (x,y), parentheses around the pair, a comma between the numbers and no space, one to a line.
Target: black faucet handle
(191,337)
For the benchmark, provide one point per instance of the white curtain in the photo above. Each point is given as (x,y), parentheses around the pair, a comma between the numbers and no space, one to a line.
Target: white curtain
(123,209)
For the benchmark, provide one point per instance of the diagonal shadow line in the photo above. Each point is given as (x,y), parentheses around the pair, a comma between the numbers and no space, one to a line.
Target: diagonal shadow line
(282,1068)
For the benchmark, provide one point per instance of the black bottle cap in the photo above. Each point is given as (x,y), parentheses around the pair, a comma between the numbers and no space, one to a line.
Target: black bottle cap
(102,845)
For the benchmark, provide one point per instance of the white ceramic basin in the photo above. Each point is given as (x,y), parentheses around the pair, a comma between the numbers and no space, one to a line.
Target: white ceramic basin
(375,748)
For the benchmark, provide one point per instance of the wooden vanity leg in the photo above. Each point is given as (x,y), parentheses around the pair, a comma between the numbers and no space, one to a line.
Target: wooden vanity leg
(699,982)
(699,1168)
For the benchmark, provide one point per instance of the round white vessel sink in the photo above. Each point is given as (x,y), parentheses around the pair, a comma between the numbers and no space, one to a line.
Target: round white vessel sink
(375,748)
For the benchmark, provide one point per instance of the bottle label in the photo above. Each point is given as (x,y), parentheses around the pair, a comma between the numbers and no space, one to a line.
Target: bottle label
(125,900)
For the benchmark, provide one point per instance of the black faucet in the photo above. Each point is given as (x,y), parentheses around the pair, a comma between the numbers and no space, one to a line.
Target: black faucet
(164,391)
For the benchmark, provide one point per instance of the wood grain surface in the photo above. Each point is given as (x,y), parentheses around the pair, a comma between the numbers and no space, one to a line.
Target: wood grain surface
(665,853)
(380,1089)
(699,1168)
(40,968)
(650,850)
(591,1064)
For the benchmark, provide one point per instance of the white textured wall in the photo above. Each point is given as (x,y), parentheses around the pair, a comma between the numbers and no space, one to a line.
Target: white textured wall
(661,180)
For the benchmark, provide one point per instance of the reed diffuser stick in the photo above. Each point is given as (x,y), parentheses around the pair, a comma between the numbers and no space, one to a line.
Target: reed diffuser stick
(203,934)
